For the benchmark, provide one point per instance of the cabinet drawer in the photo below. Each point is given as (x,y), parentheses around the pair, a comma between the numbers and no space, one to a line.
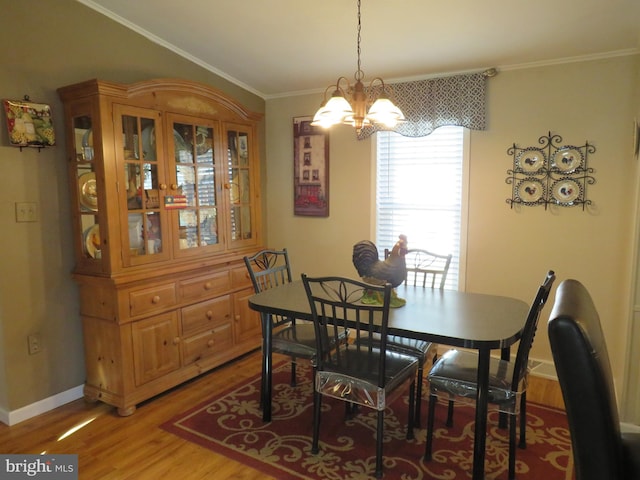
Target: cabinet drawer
(208,343)
(240,278)
(209,285)
(204,315)
(150,299)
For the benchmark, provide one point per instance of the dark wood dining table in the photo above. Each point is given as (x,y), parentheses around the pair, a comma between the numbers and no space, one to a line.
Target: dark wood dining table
(450,317)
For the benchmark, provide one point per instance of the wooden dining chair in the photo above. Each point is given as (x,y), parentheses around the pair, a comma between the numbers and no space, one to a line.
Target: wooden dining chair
(293,337)
(454,376)
(360,372)
(424,264)
(600,448)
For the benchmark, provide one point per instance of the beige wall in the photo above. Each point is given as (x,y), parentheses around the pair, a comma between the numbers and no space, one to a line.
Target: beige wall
(48,45)
(509,250)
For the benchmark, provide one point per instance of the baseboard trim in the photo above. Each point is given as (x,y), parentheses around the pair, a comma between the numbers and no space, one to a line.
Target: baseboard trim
(544,369)
(42,406)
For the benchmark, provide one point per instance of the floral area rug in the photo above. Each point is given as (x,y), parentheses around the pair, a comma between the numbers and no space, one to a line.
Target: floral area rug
(231,424)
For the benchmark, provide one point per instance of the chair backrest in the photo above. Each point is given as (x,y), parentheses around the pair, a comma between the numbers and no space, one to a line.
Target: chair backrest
(268,268)
(584,373)
(423,265)
(335,302)
(530,328)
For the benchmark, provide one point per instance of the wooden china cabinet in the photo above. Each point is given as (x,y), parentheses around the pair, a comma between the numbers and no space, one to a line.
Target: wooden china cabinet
(164,179)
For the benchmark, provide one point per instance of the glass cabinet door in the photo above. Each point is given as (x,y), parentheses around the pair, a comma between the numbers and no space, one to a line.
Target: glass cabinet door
(239,185)
(193,195)
(141,186)
(87,192)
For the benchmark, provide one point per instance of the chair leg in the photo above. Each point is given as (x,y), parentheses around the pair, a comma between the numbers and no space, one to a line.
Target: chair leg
(449,422)
(379,438)
(523,420)
(317,398)
(293,372)
(412,407)
(512,446)
(430,415)
(418,402)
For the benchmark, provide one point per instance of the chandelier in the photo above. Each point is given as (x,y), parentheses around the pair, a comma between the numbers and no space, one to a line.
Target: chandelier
(337,109)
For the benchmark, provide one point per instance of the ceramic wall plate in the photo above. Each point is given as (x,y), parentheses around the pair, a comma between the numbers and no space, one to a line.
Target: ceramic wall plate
(567,159)
(29,124)
(531,160)
(88,191)
(566,191)
(530,191)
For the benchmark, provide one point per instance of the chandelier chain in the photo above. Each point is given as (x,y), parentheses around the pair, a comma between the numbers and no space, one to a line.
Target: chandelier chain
(359,73)
(364,108)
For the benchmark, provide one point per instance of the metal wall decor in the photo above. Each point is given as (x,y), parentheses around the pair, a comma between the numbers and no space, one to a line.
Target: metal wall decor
(551,174)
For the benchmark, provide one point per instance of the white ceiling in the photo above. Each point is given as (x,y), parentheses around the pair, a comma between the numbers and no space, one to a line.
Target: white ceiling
(278,47)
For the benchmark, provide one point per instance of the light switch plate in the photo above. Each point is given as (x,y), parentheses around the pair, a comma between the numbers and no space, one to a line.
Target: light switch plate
(26,212)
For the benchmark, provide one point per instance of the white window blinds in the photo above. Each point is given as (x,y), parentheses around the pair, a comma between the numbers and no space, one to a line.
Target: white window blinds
(419,192)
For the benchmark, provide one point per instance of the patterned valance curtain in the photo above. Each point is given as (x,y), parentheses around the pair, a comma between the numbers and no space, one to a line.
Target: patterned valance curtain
(429,104)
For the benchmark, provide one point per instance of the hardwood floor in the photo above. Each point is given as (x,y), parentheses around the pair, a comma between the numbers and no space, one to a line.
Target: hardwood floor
(111,447)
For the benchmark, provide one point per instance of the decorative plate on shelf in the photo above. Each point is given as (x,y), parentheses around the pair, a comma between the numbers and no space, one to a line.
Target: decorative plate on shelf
(149,143)
(567,159)
(87,138)
(531,159)
(88,191)
(530,191)
(566,191)
(92,240)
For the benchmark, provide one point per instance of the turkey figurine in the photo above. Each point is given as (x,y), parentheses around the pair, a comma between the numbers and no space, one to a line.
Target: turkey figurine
(372,270)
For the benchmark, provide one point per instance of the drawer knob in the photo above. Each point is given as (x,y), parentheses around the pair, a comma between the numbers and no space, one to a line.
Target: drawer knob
(209,314)
(207,286)
(210,343)
(155,299)
(176,340)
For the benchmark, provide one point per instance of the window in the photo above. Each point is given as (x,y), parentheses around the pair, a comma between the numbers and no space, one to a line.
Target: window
(419,192)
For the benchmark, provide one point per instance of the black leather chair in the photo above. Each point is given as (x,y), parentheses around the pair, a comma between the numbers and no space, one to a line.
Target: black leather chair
(600,450)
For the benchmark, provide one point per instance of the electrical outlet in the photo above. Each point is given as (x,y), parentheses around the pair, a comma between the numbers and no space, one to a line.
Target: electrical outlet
(26,212)
(35,343)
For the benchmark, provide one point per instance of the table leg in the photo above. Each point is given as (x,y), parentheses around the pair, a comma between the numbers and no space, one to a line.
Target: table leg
(481,414)
(267,366)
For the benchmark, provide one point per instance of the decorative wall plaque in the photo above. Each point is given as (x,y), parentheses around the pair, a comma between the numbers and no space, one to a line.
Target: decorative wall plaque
(551,174)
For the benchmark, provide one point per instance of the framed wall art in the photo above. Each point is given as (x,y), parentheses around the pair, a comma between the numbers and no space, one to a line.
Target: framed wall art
(310,169)
(29,124)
